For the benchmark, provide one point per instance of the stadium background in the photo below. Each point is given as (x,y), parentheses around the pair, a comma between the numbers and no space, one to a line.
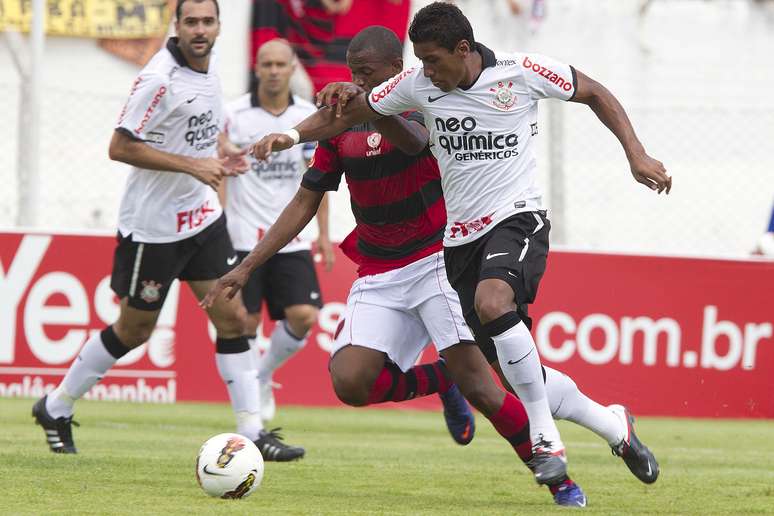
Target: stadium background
(694,77)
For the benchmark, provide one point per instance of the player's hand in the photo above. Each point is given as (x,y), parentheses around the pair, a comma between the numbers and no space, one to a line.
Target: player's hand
(651,173)
(325,248)
(236,164)
(341,92)
(230,284)
(273,142)
(209,171)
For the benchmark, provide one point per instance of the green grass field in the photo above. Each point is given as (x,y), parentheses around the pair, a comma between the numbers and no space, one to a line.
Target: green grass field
(139,459)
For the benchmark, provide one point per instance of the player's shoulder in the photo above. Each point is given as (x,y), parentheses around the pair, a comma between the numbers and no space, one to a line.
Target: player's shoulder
(411,80)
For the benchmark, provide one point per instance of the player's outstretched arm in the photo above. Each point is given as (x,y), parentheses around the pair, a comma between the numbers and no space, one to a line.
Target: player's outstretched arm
(646,170)
(322,125)
(291,221)
(126,149)
(409,136)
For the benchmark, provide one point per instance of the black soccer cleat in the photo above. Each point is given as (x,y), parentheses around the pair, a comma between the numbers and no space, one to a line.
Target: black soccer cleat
(548,462)
(272,448)
(59,432)
(640,460)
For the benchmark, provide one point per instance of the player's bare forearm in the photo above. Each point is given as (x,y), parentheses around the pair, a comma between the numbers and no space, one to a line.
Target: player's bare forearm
(410,137)
(645,169)
(291,221)
(137,153)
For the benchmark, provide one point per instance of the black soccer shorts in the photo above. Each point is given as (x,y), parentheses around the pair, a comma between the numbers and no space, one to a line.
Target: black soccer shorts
(515,251)
(143,272)
(286,279)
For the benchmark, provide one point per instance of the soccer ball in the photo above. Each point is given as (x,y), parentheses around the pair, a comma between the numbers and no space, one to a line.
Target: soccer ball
(229,466)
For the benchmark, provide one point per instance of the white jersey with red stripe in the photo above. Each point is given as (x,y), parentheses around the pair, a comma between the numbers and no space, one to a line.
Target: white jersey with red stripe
(482,136)
(178,110)
(255,199)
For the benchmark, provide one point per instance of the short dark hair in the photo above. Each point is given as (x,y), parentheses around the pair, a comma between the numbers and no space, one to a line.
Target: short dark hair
(442,24)
(179,7)
(381,39)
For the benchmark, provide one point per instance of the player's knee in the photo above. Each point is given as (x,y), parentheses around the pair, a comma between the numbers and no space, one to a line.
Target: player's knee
(302,318)
(350,388)
(232,323)
(493,301)
(135,334)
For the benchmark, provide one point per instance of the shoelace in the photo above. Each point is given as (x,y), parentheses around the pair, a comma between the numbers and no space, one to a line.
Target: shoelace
(275,435)
(65,429)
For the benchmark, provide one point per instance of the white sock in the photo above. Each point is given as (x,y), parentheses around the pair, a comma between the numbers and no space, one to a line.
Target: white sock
(87,369)
(520,363)
(569,403)
(240,376)
(283,346)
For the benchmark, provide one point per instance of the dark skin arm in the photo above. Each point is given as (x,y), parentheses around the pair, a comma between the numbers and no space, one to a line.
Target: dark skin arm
(646,170)
(291,221)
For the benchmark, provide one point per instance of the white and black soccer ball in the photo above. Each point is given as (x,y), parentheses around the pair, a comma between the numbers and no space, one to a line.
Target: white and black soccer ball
(229,466)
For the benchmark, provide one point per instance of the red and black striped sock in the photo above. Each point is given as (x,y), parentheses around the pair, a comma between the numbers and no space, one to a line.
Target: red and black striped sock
(512,423)
(392,384)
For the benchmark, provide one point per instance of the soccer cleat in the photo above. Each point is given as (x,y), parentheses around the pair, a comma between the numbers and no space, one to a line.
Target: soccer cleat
(268,406)
(640,460)
(272,448)
(570,495)
(59,432)
(459,417)
(548,462)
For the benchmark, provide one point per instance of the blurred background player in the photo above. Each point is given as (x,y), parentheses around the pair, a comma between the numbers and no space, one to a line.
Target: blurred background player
(253,201)
(171,225)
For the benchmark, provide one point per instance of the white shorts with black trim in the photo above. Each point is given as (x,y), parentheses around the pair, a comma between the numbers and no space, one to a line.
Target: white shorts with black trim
(400,312)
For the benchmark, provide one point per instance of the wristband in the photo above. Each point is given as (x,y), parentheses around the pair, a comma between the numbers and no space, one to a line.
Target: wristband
(293,134)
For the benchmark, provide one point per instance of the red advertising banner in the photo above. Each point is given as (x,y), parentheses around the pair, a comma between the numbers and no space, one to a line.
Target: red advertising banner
(666,336)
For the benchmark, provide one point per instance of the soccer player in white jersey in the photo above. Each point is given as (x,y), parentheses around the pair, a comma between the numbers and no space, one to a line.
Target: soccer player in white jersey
(170,226)
(481,111)
(288,282)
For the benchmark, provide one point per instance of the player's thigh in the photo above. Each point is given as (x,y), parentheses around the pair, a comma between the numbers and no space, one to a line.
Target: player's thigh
(396,332)
(292,282)
(441,311)
(228,315)
(516,253)
(143,272)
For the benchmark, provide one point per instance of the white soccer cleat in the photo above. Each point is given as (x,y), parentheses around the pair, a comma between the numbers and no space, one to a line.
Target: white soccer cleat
(268,406)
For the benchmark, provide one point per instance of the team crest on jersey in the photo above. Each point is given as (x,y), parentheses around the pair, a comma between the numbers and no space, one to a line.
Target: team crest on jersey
(374,140)
(504,98)
(151,291)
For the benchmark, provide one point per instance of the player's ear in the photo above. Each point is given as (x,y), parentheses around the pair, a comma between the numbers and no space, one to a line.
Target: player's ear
(463,47)
(397,65)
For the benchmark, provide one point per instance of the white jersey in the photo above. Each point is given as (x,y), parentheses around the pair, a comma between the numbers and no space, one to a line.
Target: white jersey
(177,110)
(482,135)
(255,199)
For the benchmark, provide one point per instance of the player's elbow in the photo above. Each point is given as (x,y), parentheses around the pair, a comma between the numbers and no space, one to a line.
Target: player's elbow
(118,149)
(415,147)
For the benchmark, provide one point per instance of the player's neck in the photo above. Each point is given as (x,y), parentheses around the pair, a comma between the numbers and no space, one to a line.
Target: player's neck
(473,66)
(274,103)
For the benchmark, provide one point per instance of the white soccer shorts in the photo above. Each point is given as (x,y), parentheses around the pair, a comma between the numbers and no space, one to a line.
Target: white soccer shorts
(400,312)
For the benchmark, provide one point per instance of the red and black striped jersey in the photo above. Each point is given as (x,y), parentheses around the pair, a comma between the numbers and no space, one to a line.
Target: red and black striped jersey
(396,198)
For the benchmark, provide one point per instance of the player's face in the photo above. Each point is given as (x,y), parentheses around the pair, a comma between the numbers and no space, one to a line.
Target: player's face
(274,67)
(197,28)
(369,69)
(444,68)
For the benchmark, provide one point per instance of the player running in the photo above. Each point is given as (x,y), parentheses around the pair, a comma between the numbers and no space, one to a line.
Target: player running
(374,55)
(170,226)
(481,111)
(288,282)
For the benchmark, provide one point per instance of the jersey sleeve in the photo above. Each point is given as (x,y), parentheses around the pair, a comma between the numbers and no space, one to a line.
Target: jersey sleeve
(395,95)
(324,172)
(546,77)
(148,105)
(414,116)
